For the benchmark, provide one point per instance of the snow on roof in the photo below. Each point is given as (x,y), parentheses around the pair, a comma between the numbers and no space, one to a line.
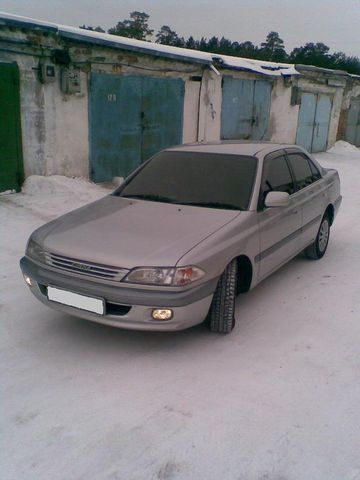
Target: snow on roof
(184,54)
(259,66)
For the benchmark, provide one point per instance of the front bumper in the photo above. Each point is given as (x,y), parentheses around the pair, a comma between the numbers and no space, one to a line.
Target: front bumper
(126,307)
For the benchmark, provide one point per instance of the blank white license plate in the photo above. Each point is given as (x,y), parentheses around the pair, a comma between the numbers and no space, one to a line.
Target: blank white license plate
(90,304)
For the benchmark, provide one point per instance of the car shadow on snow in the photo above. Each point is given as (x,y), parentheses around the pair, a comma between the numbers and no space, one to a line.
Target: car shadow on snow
(98,337)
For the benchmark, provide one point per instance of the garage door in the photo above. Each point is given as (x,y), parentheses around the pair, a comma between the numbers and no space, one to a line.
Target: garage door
(314,121)
(352,134)
(11,166)
(245,109)
(131,118)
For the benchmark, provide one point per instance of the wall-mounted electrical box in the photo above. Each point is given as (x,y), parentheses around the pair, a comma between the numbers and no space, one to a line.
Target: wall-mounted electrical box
(47,73)
(70,80)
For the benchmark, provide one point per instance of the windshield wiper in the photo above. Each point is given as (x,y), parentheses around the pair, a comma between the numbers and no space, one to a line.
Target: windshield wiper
(161,198)
(226,206)
(152,198)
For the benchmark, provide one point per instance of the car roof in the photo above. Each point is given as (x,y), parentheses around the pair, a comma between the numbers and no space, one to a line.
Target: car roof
(231,147)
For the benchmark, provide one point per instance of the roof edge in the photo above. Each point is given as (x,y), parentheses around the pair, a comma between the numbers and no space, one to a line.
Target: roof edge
(133,48)
(265,68)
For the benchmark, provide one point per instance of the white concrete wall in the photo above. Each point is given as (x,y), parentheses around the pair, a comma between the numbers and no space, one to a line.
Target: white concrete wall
(283,115)
(33,127)
(67,128)
(191,111)
(210,107)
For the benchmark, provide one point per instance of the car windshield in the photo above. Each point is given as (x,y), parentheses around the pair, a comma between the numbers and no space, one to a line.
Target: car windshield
(201,179)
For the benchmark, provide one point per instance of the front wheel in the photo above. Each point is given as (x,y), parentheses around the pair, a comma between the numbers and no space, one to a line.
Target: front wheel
(222,310)
(318,248)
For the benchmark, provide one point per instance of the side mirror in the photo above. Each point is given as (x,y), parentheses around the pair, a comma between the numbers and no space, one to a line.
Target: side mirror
(277,199)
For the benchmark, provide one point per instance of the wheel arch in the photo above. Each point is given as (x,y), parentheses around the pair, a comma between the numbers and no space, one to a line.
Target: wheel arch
(245,273)
(330,212)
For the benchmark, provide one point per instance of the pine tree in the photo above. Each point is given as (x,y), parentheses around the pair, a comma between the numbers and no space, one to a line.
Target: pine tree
(137,27)
(273,48)
(166,36)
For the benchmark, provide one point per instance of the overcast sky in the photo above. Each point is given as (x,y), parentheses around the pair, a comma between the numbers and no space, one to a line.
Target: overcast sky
(333,22)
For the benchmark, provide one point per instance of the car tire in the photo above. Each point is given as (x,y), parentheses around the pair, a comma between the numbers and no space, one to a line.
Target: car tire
(317,249)
(222,309)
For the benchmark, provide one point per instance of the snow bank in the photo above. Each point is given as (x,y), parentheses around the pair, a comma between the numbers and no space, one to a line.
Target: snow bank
(344,148)
(282,392)
(56,194)
(8,192)
(58,184)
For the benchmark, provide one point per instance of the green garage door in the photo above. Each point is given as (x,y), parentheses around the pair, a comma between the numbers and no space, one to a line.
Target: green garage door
(11,167)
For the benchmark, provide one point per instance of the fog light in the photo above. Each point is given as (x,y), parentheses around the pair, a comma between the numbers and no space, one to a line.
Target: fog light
(28,280)
(162,314)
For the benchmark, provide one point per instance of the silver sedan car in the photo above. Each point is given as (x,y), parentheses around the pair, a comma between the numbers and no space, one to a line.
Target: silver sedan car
(184,234)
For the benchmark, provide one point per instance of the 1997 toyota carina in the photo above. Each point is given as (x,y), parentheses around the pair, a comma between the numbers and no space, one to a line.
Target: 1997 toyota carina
(183,235)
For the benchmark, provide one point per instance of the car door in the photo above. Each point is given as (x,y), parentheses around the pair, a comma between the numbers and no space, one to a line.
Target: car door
(279,227)
(310,195)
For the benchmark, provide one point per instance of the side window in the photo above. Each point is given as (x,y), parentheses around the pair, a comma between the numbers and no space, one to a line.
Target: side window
(276,178)
(304,176)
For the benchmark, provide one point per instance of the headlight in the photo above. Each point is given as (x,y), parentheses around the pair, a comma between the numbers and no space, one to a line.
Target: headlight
(34,251)
(165,275)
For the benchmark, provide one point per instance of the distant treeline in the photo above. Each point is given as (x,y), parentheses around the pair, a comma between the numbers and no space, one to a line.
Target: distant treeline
(273,49)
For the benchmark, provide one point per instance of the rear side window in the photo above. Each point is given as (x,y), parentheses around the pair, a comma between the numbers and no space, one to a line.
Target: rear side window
(276,178)
(314,170)
(304,170)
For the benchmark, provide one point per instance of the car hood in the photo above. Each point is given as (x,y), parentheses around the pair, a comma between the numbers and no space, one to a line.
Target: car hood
(128,233)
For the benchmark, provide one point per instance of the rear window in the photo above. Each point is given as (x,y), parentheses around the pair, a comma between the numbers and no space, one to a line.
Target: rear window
(203,179)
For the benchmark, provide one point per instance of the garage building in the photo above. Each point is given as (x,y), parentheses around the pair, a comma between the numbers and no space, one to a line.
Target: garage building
(80,103)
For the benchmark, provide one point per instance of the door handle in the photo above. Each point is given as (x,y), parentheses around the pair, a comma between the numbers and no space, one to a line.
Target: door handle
(294,212)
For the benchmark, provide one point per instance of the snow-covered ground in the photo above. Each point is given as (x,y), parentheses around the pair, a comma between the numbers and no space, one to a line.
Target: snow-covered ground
(278,399)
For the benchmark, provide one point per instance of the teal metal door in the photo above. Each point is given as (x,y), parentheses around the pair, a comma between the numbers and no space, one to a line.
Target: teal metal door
(245,109)
(314,121)
(322,122)
(11,165)
(115,126)
(162,114)
(131,118)
(352,133)
(306,121)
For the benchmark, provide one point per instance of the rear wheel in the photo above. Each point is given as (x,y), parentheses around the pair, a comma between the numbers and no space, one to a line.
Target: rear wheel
(317,249)
(222,310)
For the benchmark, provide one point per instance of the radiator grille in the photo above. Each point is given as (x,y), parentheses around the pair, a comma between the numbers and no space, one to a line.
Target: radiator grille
(85,268)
